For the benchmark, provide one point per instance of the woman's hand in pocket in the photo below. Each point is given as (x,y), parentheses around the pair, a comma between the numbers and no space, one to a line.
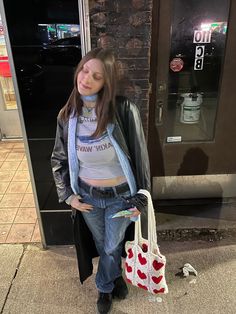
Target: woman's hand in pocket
(80,205)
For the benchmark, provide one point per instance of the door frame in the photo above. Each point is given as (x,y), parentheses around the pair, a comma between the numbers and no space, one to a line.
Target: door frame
(83,6)
(162,155)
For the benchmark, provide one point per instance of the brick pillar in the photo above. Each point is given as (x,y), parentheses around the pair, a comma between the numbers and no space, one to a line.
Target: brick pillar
(125,26)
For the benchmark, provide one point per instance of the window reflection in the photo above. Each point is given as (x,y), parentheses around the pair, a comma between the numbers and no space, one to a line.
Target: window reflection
(6,83)
(198,36)
(60,43)
(51,32)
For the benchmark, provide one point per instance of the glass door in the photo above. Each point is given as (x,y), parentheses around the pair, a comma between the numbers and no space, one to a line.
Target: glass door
(47,42)
(197,49)
(192,105)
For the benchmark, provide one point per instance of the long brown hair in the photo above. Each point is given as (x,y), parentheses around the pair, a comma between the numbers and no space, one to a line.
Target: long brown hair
(105,106)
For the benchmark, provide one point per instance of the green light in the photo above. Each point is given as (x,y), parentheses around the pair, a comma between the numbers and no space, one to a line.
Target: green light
(62,27)
(215,24)
(51,29)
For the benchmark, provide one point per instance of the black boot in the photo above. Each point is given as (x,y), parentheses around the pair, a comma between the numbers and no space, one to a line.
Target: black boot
(120,290)
(104,302)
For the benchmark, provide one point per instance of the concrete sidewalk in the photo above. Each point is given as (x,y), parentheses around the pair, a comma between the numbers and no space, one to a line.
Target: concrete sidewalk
(33,280)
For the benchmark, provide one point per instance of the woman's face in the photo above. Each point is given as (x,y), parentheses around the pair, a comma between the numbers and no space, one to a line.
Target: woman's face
(90,79)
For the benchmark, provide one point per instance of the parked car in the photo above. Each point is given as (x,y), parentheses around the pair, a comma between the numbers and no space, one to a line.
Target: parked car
(65,51)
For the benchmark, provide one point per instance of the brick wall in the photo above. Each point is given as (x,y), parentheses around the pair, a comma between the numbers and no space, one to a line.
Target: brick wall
(125,26)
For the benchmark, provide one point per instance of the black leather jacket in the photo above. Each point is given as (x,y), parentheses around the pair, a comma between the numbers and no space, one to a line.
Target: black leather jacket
(128,132)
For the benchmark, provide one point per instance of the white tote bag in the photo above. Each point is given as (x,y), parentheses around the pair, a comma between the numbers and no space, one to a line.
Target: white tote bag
(144,264)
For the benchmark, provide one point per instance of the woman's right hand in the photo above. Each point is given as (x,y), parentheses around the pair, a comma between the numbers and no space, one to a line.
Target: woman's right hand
(77,204)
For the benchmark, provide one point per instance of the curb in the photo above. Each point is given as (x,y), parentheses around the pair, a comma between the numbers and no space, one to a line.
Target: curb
(196,234)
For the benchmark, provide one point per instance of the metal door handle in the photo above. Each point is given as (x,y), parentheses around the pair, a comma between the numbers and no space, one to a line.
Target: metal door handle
(159,111)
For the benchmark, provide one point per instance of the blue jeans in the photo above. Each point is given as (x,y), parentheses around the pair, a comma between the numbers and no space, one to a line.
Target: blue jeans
(108,234)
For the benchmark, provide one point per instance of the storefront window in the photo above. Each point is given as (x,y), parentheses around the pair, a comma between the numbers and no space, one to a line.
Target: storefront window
(198,37)
(50,33)
(6,83)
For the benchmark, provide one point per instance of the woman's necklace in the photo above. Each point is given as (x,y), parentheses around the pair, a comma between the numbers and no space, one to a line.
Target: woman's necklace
(88,110)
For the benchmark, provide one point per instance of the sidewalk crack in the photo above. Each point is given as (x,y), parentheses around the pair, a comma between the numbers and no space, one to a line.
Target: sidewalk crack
(13,278)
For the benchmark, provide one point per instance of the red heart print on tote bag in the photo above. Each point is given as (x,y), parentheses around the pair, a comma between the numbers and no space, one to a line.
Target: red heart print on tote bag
(145,265)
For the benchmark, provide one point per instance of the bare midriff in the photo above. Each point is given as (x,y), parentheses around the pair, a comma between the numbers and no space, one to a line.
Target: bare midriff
(105,182)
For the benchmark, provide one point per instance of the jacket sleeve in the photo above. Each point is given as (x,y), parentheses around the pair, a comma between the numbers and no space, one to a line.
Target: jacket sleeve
(137,146)
(59,163)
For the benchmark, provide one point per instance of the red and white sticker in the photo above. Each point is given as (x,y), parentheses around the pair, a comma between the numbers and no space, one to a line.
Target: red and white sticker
(176,64)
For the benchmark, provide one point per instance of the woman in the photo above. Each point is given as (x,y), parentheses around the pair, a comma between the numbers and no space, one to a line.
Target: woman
(99,163)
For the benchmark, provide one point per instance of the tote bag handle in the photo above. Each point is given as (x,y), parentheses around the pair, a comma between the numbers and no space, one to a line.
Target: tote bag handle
(152,235)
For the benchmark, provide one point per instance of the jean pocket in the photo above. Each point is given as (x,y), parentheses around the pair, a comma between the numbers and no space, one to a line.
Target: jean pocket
(83,193)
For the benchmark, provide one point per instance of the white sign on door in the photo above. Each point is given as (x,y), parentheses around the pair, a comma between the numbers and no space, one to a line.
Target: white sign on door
(199,57)
(202,37)
(199,51)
